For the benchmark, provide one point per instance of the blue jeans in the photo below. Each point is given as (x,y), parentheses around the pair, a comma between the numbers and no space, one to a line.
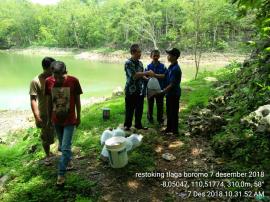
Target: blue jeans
(64,134)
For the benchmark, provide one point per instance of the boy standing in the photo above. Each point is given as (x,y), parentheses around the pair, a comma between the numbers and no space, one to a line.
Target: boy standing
(64,107)
(160,70)
(39,106)
(134,96)
(173,91)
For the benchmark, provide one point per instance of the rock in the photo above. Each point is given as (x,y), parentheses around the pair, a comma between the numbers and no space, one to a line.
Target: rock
(263,111)
(3,180)
(258,120)
(205,123)
(187,89)
(211,79)
(187,134)
(220,100)
(95,173)
(168,156)
(205,112)
(176,144)
(76,150)
(1,141)
(118,91)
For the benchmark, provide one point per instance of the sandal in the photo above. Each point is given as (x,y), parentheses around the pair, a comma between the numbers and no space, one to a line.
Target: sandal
(60,180)
(47,161)
(70,166)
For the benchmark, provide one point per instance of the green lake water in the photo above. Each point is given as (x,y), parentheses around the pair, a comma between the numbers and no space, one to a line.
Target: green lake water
(97,78)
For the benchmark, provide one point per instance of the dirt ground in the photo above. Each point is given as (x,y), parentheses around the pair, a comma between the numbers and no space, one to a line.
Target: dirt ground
(193,155)
(116,185)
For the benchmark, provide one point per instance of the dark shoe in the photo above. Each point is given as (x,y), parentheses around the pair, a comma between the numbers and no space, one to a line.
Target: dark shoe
(168,133)
(162,130)
(70,166)
(60,181)
(48,161)
(126,128)
(141,128)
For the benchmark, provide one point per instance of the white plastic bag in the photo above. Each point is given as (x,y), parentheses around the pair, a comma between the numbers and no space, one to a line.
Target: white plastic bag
(129,144)
(105,152)
(107,134)
(153,87)
(118,132)
(135,139)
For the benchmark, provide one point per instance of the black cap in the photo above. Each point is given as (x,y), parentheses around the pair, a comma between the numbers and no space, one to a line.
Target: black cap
(174,52)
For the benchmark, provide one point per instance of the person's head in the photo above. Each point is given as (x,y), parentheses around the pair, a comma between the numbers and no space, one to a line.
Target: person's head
(173,55)
(46,64)
(155,55)
(59,70)
(135,51)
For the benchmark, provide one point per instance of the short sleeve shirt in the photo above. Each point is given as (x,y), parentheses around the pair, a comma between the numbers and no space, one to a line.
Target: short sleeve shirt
(63,99)
(133,86)
(37,88)
(158,68)
(173,77)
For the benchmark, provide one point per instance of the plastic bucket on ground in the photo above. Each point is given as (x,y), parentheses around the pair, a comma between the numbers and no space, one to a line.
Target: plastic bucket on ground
(116,147)
(106,113)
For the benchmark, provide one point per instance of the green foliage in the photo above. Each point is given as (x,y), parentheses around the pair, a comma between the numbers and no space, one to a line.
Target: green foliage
(117,24)
(247,90)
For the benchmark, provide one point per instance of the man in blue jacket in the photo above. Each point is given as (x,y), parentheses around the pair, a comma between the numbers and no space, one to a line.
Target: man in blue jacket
(173,91)
(160,71)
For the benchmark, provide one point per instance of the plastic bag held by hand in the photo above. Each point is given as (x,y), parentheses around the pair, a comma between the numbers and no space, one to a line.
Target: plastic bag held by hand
(153,87)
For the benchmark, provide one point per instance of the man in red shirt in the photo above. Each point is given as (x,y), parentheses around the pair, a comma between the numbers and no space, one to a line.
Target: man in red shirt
(64,107)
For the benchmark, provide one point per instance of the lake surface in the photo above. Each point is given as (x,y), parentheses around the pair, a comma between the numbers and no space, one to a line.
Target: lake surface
(97,78)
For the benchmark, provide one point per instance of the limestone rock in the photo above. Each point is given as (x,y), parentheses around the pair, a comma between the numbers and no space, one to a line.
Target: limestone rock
(258,120)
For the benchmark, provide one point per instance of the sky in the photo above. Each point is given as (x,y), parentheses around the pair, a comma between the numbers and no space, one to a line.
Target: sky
(45,2)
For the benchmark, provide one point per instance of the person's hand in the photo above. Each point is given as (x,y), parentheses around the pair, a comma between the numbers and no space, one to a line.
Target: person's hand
(161,93)
(150,73)
(39,122)
(78,122)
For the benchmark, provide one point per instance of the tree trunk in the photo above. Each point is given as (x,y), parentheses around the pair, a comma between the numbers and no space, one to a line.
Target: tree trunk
(166,28)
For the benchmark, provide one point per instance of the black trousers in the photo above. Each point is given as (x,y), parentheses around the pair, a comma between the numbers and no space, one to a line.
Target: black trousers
(172,109)
(160,103)
(134,103)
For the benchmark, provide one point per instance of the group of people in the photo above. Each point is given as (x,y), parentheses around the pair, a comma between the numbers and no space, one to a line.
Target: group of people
(56,106)
(136,82)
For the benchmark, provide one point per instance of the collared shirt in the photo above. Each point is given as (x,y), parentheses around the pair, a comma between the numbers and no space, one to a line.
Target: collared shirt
(158,68)
(133,86)
(173,77)
(37,88)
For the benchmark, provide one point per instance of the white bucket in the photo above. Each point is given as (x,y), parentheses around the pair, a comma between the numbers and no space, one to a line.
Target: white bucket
(116,147)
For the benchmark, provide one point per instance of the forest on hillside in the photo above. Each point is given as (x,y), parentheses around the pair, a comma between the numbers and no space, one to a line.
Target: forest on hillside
(205,24)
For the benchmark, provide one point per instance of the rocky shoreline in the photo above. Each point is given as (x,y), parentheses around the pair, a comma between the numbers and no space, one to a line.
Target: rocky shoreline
(211,58)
